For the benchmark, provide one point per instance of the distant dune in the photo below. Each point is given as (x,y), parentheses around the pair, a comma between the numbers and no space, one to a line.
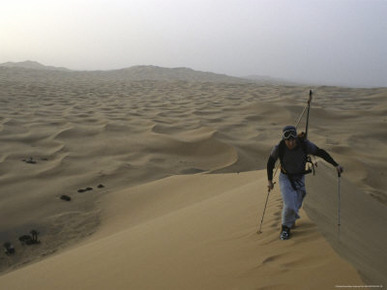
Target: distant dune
(164,74)
(150,72)
(135,73)
(273,80)
(147,72)
(31,65)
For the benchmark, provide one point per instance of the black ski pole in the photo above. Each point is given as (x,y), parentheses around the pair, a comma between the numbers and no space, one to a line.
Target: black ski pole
(307,114)
(338,203)
(263,214)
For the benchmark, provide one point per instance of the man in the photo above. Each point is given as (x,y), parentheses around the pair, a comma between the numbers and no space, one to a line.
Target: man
(292,152)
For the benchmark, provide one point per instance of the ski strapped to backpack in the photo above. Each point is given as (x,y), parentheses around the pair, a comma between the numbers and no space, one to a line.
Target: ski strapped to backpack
(307,114)
(302,137)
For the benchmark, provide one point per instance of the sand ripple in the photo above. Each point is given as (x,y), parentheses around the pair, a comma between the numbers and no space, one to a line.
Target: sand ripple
(83,130)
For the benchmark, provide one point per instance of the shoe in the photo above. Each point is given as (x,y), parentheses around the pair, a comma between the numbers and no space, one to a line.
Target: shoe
(285,233)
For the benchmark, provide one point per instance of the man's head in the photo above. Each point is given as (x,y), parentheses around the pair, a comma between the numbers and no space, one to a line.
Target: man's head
(289,134)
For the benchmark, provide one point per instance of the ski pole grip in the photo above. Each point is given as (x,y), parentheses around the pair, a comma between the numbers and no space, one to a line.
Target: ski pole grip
(339,170)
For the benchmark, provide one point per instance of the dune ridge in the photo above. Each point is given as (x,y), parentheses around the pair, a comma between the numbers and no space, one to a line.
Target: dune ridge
(83,129)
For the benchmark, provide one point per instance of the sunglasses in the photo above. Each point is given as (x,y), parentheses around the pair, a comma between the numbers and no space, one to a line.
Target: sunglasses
(289,134)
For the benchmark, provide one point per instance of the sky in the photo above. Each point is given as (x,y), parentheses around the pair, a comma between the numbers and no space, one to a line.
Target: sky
(332,42)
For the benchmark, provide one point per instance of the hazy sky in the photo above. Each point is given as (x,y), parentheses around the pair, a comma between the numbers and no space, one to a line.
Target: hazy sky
(331,41)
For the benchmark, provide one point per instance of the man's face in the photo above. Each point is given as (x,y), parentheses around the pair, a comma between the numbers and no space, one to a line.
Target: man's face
(291,143)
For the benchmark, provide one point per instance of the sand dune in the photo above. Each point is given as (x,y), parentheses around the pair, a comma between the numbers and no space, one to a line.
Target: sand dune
(192,232)
(83,129)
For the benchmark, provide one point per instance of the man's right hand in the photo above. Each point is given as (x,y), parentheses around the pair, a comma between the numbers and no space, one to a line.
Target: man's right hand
(270,185)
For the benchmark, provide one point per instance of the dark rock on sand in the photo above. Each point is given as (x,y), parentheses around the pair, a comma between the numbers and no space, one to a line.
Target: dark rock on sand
(65,197)
(8,248)
(85,189)
(30,239)
(30,160)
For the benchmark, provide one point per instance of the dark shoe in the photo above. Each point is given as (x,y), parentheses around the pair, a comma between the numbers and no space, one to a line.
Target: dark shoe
(285,233)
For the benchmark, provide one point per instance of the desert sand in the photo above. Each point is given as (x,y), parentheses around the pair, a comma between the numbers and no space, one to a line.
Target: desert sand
(174,161)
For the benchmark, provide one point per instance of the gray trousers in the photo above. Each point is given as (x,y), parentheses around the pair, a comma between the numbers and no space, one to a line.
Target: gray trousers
(292,198)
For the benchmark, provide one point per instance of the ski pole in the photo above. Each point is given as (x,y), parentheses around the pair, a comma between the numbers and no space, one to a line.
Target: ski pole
(339,203)
(263,214)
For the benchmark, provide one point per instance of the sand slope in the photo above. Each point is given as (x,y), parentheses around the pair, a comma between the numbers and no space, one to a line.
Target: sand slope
(359,238)
(192,232)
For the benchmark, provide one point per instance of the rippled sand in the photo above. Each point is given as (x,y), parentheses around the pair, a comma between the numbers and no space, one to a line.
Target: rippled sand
(64,131)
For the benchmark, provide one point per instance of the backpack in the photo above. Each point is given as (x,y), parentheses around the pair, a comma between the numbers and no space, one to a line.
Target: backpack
(309,165)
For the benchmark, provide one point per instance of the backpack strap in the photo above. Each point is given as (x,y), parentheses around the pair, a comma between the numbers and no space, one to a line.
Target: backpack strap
(281,153)
(308,159)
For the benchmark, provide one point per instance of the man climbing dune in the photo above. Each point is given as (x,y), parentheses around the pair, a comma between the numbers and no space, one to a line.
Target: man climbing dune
(293,151)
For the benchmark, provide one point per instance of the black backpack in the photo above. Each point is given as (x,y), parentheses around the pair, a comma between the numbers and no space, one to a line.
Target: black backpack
(309,165)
